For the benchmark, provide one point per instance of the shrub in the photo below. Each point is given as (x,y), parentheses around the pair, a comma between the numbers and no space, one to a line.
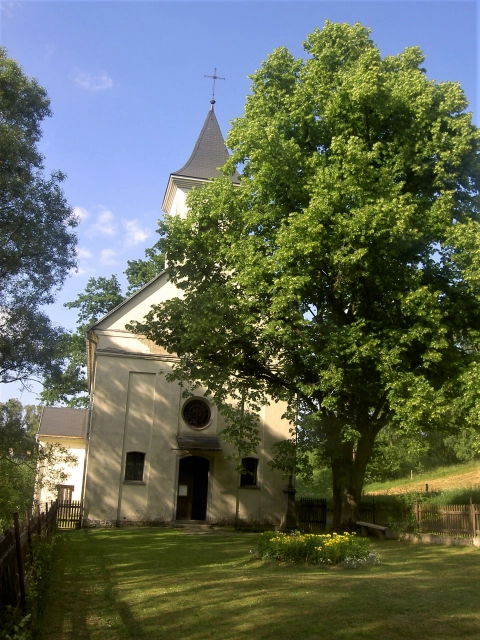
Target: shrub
(330,549)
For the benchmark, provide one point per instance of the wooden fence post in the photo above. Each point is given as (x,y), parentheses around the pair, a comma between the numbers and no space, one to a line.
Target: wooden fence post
(416,512)
(473,524)
(29,535)
(39,522)
(21,574)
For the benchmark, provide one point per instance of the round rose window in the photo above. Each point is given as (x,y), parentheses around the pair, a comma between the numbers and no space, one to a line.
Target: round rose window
(197,414)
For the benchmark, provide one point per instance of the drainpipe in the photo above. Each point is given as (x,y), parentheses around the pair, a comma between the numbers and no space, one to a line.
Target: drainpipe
(89,418)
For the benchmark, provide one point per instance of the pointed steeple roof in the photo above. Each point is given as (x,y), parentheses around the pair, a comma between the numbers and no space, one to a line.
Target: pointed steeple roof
(208,154)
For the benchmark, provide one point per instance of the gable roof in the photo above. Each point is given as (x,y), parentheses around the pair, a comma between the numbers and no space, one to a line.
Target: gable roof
(208,154)
(126,301)
(63,422)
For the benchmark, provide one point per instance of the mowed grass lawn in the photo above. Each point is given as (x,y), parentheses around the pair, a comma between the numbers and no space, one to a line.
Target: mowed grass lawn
(151,583)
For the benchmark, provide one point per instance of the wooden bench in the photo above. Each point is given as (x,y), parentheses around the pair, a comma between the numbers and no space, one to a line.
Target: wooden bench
(376,528)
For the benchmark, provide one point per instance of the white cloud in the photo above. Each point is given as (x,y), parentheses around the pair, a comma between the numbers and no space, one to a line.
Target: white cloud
(81,213)
(107,256)
(105,224)
(135,233)
(83,254)
(91,82)
(7,8)
(77,272)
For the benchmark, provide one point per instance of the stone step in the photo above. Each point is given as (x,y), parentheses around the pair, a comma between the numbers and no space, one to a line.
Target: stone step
(187,525)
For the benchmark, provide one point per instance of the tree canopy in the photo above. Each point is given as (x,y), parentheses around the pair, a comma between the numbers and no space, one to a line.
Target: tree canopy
(20,458)
(67,384)
(37,242)
(139,272)
(342,276)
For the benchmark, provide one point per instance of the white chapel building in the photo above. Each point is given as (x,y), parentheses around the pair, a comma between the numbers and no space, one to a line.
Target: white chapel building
(152,456)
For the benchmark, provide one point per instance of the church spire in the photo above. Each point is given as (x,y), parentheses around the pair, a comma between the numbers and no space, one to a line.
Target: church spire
(208,153)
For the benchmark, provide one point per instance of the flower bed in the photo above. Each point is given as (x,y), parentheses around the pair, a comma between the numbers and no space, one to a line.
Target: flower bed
(329,549)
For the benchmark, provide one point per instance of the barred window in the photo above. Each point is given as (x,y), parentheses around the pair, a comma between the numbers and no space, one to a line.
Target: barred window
(249,477)
(134,466)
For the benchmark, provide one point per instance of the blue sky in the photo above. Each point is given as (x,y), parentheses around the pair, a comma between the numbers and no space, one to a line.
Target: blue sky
(129,96)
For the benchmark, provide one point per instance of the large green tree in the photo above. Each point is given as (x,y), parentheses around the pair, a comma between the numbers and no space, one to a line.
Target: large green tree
(37,243)
(342,276)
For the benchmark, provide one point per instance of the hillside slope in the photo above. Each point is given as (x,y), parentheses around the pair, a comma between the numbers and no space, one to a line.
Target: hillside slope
(443,479)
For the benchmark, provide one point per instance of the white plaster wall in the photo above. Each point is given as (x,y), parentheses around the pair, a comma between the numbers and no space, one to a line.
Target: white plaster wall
(179,205)
(136,409)
(76,446)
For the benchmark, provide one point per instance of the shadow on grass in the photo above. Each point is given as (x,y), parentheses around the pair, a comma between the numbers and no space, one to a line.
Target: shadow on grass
(147,583)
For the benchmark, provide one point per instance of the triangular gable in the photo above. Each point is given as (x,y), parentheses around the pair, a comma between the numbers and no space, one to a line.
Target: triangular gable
(138,305)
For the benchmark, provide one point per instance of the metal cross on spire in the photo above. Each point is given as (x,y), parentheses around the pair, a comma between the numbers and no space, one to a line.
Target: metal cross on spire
(215,77)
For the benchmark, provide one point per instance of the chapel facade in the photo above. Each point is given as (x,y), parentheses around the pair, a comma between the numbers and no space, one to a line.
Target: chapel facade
(153,456)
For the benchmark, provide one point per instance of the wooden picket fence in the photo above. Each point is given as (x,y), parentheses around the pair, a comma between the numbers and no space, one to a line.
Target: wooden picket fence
(17,553)
(69,514)
(17,546)
(456,520)
(459,520)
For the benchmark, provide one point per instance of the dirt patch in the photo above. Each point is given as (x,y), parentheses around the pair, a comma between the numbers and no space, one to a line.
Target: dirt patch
(467,480)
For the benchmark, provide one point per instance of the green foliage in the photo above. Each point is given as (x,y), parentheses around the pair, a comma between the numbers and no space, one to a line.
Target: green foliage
(15,626)
(44,555)
(289,458)
(101,295)
(36,231)
(395,453)
(68,384)
(26,467)
(139,272)
(17,458)
(329,549)
(342,276)
(316,485)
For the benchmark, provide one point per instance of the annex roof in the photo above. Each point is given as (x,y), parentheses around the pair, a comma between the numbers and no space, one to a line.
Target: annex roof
(63,422)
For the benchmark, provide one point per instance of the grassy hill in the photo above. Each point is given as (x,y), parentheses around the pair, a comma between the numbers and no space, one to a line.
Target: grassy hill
(453,484)
(461,476)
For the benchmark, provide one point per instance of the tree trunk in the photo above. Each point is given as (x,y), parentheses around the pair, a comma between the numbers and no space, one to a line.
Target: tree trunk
(348,462)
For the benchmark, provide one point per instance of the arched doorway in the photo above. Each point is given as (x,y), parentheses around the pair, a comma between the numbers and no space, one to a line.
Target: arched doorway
(192,488)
